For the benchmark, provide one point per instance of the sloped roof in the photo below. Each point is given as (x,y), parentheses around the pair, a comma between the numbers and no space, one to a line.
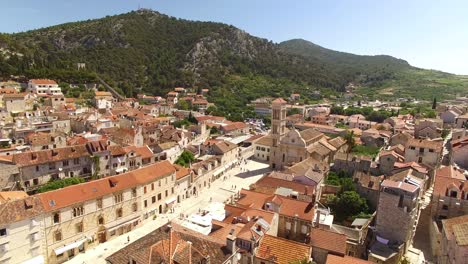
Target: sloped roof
(42,81)
(79,193)
(279,101)
(280,250)
(332,259)
(46,156)
(19,209)
(328,240)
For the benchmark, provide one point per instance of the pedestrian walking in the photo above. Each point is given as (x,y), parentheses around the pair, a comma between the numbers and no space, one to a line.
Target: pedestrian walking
(128,239)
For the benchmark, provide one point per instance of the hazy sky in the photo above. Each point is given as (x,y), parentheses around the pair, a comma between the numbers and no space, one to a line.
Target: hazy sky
(430,34)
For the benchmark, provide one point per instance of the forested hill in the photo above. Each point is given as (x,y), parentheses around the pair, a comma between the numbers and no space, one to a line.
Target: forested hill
(367,69)
(147,49)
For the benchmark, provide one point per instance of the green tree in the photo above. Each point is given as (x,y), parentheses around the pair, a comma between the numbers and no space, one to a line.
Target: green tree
(97,167)
(445,133)
(58,184)
(214,130)
(183,105)
(348,204)
(185,159)
(434,103)
(350,141)
(294,111)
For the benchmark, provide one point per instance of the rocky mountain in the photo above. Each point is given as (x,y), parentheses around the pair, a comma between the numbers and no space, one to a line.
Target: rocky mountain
(145,51)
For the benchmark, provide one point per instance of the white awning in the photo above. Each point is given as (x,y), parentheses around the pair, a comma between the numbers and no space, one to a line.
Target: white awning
(123,222)
(73,245)
(121,169)
(36,260)
(170,200)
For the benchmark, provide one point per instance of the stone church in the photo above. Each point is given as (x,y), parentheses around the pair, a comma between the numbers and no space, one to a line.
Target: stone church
(290,146)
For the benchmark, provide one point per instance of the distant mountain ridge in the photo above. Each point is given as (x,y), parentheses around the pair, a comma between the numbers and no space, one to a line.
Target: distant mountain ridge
(145,51)
(147,48)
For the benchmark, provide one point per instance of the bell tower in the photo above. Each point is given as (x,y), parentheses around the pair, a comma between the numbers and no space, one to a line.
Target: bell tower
(278,129)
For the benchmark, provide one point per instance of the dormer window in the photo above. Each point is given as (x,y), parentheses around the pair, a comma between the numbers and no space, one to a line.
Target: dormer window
(453,194)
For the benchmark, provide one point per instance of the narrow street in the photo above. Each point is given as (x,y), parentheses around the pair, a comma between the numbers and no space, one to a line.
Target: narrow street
(420,250)
(220,191)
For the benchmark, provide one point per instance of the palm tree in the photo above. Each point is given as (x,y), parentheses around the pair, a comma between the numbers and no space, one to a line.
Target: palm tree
(349,138)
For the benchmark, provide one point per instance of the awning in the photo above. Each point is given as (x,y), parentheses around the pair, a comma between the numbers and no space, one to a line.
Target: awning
(170,200)
(121,169)
(126,221)
(73,245)
(36,260)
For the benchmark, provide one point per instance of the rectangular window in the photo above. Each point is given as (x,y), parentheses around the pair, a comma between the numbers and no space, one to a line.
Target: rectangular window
(78,211)
(172,190)
(134,192)
(119,212)
(153,199)
(56,218)
(58,235)
(159,183)
(145,203)
(135,207)
(76,161)
(3,232)
(65,163)
(159,197)
(288,226)
(118,198)
(152,186)
(144,189)
(79,227)
(99,203)
(52,166)
(167,193)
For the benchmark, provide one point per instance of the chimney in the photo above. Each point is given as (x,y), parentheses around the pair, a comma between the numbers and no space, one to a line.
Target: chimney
(317,218)
(231,243)
(189,253)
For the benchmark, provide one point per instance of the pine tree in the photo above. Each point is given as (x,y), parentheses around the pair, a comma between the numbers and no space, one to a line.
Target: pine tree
(434,103)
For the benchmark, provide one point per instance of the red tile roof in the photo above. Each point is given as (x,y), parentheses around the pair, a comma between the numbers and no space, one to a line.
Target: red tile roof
(46,156)
(280,250)
(279,101)
(328,240)
(449,178)
(144,152)
(287,206)
(79,193)
(332,259)
(42,81)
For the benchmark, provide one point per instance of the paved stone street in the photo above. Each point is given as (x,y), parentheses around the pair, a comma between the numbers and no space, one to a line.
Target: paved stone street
(220,190)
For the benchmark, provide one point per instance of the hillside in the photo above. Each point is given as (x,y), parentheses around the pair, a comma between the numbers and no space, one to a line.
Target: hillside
(365,69)
(382,76)
(145,51)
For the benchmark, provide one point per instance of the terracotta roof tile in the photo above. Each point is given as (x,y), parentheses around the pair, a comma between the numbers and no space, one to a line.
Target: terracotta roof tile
(42,81)
(288,207)
(328,240)
(46,156)
(79,193)
(332,259)
(280,250)
(19,209)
